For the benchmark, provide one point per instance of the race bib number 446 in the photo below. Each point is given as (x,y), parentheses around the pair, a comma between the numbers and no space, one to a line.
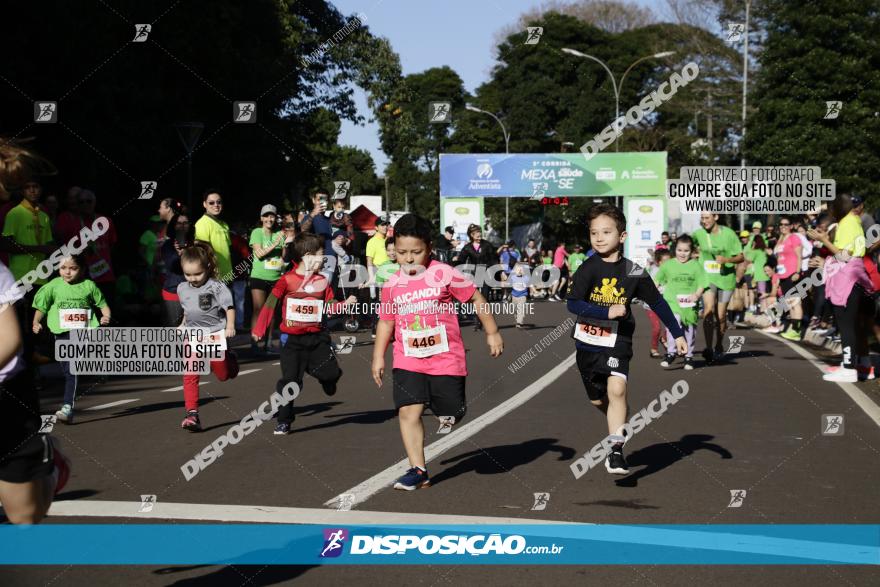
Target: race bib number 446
(424,343)
(597,332)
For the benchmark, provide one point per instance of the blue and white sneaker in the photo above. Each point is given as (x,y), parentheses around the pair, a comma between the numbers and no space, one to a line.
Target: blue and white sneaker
(415,478)
(65,414)
(282,428)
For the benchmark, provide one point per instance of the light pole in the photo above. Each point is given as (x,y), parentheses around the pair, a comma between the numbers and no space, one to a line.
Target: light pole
(189,133)
(742,150)
(507,151)
(614,83)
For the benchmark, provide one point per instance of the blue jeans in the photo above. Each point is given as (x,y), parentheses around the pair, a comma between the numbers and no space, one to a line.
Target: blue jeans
(70,380)
(239,291)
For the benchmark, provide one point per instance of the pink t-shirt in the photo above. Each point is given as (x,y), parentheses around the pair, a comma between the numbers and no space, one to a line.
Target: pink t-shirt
(559,256)
(425,302)
(787,261)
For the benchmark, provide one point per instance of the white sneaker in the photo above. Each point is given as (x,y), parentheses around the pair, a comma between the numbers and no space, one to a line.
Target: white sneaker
(842,375)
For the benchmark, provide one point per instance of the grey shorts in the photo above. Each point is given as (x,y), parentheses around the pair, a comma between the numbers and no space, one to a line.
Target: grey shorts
(722,296)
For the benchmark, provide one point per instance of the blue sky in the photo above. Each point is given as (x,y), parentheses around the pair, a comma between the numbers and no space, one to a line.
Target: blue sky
(457,33)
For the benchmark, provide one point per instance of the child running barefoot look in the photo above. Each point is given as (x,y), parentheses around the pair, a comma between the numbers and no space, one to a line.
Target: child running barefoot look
(67,303)
(601,294)
(683,280)
(307,299)
(429,366)
(206,303)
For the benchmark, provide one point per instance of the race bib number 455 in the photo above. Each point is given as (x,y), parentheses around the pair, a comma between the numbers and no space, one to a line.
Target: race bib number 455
(597,332)
(69,318)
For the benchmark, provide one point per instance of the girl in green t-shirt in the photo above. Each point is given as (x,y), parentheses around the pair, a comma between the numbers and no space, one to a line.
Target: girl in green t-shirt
(756,257)
(683,281)
(67,303)
(267,246)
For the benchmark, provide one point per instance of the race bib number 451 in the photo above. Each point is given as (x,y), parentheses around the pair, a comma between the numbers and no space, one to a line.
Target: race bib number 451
(597,332)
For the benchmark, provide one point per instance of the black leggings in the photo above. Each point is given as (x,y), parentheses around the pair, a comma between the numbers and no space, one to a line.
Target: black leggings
(847,318)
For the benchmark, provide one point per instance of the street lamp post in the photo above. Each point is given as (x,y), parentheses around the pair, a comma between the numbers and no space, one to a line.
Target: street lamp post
(614,83)
(507,151)
(742,150)
(189,133)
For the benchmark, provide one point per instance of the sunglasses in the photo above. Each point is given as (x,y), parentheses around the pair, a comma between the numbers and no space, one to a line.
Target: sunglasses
(214,203)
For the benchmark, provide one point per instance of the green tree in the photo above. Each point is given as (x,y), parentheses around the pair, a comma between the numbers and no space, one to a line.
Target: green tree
(815,52)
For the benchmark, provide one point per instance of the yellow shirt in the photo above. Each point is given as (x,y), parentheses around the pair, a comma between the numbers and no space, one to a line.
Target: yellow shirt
(27,225)
(215,232)
(376,249)
(850,235)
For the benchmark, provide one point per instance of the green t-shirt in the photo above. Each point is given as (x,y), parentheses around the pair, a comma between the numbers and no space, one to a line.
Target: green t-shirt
(681,279)
(27,229)
(575,260)
(149,240)
(69,305)
(385,271)
(216,233)
(758,258)
(849,235)
(376,250)
(268,268)
(725,243)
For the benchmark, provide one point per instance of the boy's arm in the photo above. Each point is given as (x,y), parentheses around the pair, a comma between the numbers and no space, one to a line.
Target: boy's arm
(481,309)
(268,310)
(576,303)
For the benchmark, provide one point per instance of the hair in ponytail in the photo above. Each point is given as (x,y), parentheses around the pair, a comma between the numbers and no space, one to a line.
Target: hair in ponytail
(203,253)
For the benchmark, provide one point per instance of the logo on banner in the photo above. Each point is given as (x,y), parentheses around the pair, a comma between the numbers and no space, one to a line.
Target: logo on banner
(484,170)
(334,538)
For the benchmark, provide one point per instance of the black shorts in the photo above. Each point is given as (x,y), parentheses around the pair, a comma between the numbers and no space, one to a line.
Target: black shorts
(25,454)
(596,367)
(444,394)
(262,284)
(786,285)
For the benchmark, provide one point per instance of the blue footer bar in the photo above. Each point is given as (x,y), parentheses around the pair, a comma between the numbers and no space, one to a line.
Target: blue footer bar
(275,544)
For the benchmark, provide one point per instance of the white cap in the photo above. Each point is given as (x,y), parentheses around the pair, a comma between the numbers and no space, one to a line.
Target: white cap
(269,209)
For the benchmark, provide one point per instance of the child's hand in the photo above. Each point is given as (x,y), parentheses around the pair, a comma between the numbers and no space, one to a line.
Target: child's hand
(378,370)
(720,259)
(230,331)
(105,320)
(616,311)
(37,327)
(681,345)
(692,299)
(496,345)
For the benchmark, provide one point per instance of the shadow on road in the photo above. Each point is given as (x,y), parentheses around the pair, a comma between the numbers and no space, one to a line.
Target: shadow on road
(630,504)
(659,456)
(502,459)
(176,405)
(375,417)
(255,575)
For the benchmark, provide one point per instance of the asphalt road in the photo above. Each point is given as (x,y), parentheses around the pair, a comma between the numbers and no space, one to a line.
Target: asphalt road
(752,423)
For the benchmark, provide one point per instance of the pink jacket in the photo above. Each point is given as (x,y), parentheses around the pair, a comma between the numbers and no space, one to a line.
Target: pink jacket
(841,277)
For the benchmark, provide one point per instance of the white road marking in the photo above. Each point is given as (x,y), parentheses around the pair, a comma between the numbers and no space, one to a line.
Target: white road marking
(857,395)
(246,371)
(112,404)
(277,363)
(180,387)
(384,479)
(266,514)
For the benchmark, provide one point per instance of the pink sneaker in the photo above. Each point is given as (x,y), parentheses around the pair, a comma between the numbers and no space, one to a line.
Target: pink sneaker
(191,422)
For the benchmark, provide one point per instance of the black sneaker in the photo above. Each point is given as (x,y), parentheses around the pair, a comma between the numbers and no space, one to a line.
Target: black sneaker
(329,387)
(415,478)
(615,463)
(688,364)
(282,428)
(708,356)
(667,361)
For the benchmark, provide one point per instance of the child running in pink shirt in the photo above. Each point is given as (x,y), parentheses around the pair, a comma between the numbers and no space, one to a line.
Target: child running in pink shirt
(418,308)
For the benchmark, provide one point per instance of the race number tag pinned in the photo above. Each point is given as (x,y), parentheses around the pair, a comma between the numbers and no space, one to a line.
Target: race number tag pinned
(596,332)
(712,267)
(684,301)
(425,343)
(217,338)
(274,264)
(70,318)
(304,310)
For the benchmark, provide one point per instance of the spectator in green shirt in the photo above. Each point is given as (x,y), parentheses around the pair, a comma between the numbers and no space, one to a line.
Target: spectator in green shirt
(214,231)
(576,258)
(267,245)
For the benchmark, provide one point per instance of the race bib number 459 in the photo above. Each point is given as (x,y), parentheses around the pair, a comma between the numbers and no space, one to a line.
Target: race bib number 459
(304,310)
(597,332)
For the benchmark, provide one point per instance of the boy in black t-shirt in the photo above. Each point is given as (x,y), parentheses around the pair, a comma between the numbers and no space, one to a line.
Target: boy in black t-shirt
(602,289)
